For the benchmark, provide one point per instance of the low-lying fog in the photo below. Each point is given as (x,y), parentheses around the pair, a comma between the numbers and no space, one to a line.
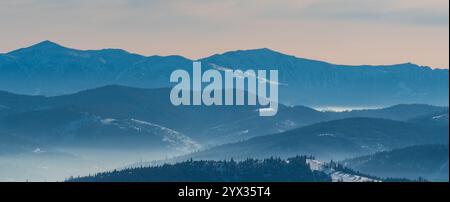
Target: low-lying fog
(40,165)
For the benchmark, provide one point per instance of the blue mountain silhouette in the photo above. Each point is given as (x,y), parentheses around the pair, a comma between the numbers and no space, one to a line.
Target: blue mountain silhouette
(51,69)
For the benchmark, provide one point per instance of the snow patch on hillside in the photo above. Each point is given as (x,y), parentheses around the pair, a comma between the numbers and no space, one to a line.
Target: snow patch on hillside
(337,176)
(174,139)
(326,135)
(107,121)
(441,117)
(178,140)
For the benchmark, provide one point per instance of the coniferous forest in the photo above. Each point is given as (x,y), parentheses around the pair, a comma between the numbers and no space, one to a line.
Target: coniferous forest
(293,169)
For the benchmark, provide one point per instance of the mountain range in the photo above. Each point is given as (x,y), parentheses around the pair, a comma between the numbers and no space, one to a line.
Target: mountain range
(48,68)
(61,133)
(69,112)
(124,117)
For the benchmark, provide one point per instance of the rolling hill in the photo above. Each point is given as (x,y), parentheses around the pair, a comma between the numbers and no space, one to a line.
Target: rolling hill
(426,161)
(81,118)
(337,139)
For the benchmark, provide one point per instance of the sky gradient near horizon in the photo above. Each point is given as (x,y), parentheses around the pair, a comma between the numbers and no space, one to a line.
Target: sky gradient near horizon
(338,31)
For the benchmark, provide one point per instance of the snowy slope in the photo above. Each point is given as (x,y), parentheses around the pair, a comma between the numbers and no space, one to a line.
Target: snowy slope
(337,176)
(174,139)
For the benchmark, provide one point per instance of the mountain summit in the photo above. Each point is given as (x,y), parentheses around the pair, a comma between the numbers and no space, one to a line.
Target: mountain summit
(44,46)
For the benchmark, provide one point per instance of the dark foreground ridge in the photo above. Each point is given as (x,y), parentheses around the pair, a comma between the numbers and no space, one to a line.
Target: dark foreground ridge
(268,170)
(295,169)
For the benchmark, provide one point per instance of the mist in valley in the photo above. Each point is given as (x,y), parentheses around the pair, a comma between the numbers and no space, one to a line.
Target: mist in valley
(41,166)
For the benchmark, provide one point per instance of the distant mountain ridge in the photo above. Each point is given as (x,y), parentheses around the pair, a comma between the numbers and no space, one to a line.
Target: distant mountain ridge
(51,69)
(317,83)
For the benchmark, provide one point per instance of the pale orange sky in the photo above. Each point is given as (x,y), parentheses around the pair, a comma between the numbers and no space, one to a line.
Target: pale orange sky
(337,31)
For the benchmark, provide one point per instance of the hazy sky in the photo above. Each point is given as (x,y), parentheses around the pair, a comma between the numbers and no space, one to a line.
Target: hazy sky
(338,31)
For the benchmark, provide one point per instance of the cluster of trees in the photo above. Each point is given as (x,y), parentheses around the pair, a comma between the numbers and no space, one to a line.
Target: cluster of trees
(293,169)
